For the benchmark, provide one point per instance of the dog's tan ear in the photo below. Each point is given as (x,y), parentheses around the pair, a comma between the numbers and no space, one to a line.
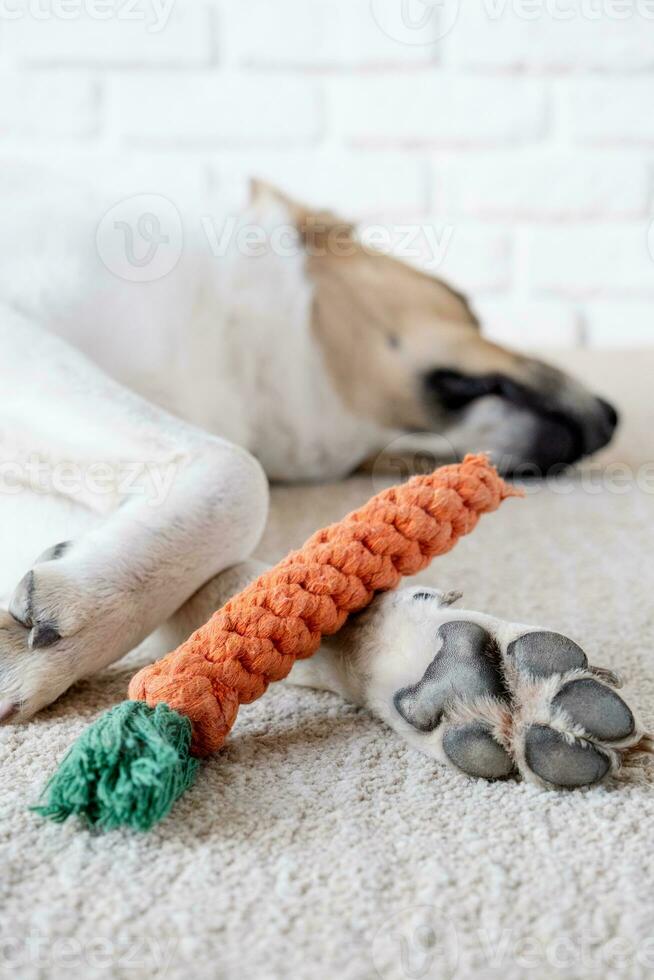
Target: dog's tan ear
(264,194)
(317,227)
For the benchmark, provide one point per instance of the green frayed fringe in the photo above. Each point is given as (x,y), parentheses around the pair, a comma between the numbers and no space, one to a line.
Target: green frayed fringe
(126,769)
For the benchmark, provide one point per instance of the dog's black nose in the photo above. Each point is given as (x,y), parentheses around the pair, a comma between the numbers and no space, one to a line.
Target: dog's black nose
(599,428)
(610,412)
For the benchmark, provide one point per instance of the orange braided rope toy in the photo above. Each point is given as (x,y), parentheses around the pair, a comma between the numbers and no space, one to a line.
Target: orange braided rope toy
(137,759)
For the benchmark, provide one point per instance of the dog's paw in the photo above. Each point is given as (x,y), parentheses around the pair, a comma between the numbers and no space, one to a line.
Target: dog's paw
(35,668)
(65,619)
(569,728)
(495,699)
(39,600)
(30,678)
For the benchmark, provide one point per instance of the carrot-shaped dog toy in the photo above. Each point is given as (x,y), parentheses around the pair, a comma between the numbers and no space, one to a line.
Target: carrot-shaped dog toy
(132,764)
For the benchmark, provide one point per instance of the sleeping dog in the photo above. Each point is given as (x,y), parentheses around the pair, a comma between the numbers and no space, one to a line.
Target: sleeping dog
(140,419)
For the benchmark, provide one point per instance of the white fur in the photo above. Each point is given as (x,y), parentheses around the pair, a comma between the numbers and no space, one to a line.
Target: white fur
(221,342)
(196,505)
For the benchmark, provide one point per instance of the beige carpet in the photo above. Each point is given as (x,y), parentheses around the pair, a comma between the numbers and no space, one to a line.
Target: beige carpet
(318,846)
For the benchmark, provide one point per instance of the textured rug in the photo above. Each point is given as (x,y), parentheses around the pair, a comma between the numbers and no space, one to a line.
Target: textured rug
(318,845)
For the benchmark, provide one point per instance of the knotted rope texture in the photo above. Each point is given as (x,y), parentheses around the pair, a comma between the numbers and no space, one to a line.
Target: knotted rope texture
(124,775)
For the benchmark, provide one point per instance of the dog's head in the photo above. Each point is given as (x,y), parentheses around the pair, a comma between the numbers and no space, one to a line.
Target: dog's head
(405,351)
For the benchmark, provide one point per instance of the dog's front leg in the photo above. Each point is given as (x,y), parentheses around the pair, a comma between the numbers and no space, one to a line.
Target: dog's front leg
(173,506)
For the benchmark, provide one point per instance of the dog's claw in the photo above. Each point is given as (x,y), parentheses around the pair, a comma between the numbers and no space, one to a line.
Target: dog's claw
(7,711)
(54,553)
(20,605)
(606,675)
(449,598)
(43,635)
(25,606)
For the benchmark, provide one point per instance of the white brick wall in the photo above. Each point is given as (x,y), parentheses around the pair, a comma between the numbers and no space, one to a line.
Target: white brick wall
(576,34)
(216,109)
(310,34)
(515,136)
(40,107)
(540,184)
(613,112)
(436,108)
(88,41)
(602,260)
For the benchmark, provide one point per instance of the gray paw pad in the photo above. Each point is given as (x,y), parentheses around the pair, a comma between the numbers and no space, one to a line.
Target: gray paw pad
(464,667)
(554,759)
(543,654)
(473,750)
(598,709)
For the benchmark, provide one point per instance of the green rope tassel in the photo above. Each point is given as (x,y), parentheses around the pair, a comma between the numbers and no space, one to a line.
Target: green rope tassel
(127,769)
